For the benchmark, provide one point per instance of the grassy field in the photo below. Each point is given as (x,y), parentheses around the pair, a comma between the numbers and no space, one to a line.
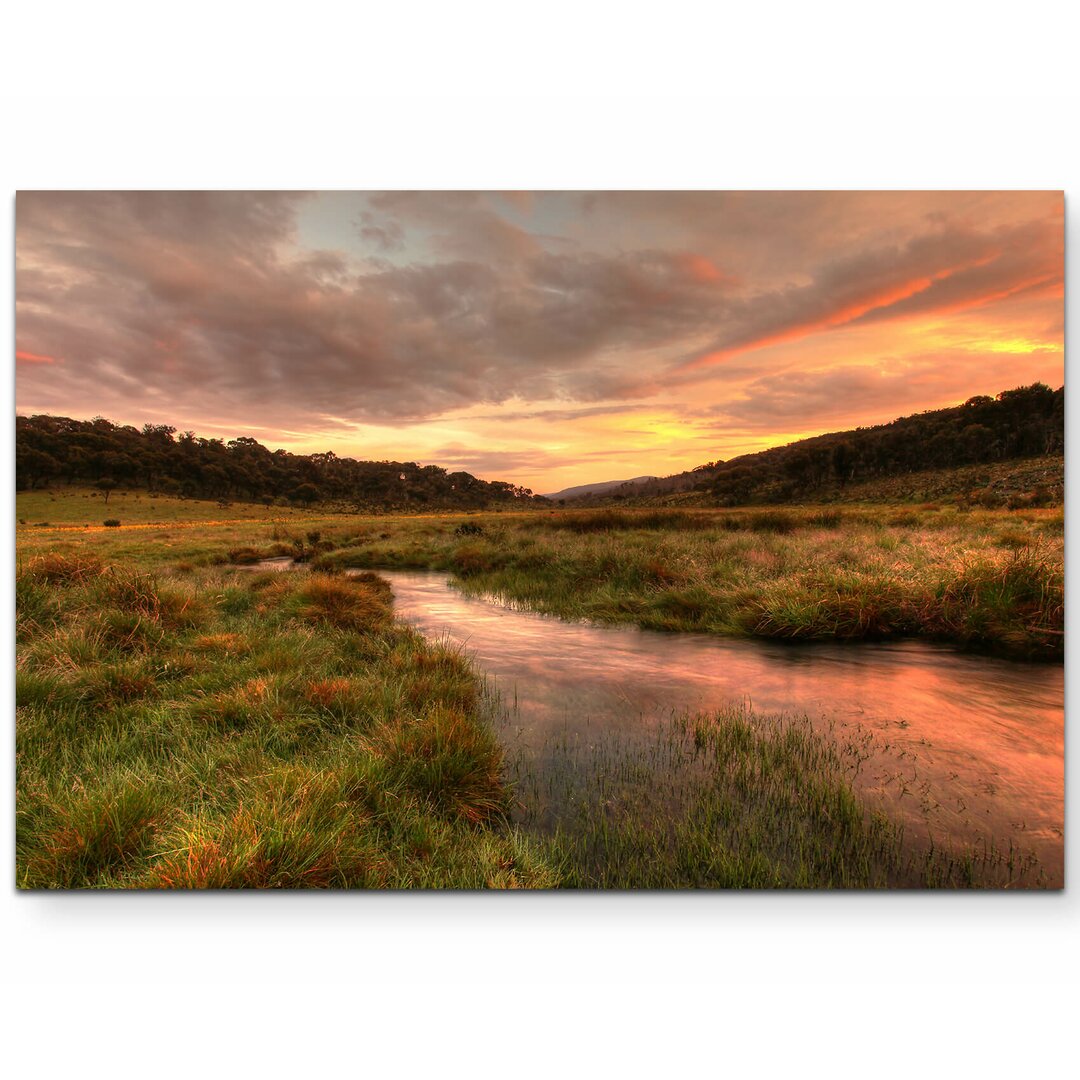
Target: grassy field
(268,731)
(183,722)
(984,579)
(990,580)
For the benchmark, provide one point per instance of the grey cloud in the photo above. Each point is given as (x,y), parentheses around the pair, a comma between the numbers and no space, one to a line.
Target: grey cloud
(386,235)
(777,239)
(203,303)
(458,224)
(555,415)
(233,317)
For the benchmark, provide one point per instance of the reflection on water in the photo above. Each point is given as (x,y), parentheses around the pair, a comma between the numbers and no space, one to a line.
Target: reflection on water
(969,747)
(279,562)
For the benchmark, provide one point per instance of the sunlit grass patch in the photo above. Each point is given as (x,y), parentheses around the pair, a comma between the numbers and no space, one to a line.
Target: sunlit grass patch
(144,594)
(89,835)
(127,631)
(871,572)
(44,688)
(109,684)
(1014,601)
(249,734)
(825,519)
(230,644)
(296,827)
(846,606)
(54,568)
(208,685)
(1015,538)
(328,693)
(905,519)
(345,603)
(447,759)
(235,708)
(676,608)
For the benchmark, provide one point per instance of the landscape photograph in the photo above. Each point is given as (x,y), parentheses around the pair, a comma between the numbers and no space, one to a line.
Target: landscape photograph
(553,540)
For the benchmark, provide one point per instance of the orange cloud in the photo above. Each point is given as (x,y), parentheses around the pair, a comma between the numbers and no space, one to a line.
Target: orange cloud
(33,358)
(882,299)
(703,269)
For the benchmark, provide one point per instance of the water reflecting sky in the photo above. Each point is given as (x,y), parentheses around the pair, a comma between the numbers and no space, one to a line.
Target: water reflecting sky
(968,746)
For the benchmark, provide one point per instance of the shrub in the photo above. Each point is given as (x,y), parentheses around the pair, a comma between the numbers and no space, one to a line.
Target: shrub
(112,523)
(1041,496)
(989,498)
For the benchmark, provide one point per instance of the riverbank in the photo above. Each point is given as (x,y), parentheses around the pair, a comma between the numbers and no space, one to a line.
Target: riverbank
(991,581)
(285,732)
(183,724)
(604,735)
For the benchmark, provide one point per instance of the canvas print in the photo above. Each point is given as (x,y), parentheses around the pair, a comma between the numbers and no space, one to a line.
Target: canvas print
(594,540)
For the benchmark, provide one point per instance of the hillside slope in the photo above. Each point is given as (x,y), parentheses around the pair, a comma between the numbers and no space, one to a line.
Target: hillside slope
(988,449)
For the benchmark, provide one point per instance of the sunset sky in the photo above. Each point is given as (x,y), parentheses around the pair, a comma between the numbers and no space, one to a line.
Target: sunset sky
(550,339)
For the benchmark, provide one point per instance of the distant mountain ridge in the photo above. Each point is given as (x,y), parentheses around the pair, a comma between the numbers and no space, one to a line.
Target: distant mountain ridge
(599,488)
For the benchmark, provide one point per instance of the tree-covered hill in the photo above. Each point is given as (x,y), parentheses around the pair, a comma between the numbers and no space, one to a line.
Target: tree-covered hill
(57,449)
(1023,423)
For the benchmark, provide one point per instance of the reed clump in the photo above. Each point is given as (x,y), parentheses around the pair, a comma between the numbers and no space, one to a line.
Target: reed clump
(738,800)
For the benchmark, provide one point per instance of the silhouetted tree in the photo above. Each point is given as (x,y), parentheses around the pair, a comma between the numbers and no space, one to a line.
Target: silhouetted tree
(305,493)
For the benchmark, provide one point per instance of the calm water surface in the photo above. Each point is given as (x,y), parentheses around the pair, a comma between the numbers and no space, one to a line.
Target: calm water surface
(966,747)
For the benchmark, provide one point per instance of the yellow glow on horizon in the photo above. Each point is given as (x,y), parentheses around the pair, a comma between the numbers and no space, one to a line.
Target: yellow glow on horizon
(1022,346)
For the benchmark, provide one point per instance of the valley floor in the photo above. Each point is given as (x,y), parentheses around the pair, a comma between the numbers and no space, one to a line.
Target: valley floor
(183,722)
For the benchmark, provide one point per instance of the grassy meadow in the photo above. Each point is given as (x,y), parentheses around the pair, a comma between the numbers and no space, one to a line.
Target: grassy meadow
(186,722)
(989,580)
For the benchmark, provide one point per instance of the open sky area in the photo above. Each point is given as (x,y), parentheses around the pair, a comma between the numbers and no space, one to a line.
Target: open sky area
(548,339)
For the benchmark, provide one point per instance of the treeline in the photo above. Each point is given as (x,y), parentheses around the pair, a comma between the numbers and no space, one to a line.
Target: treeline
(97,452)
(1025,422)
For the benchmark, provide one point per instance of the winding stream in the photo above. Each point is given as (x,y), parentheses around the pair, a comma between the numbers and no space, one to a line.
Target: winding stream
(967,748)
